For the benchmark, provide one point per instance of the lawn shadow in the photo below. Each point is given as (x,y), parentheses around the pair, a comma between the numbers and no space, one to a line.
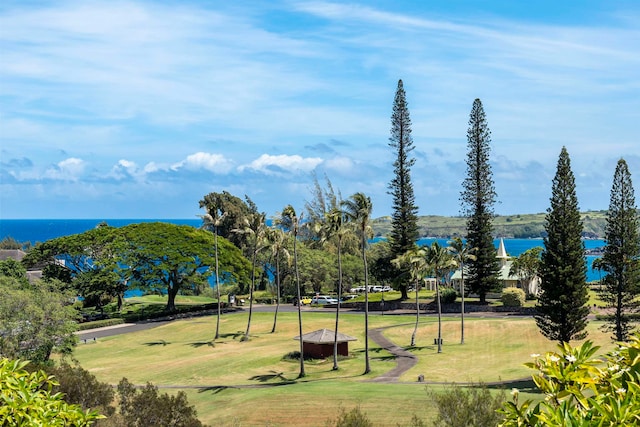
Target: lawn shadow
(233,335)
(523,385)
(154,343)
(419,347)
(386,358)
(270,377)
(202,344)
(215,389)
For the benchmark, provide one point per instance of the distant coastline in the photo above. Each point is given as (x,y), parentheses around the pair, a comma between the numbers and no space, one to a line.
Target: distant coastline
(40,230)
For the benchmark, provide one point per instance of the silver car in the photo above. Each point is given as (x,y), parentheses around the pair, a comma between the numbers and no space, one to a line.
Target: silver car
(323,299)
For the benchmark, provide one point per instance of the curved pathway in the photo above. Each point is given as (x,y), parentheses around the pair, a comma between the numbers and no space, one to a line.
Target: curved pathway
(405,360)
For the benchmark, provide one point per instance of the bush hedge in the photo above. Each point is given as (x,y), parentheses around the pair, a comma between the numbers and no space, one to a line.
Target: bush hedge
(448,295)
(513,297)
(99,324)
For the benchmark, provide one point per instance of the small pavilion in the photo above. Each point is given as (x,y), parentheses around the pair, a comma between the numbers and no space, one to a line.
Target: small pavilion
(319,344)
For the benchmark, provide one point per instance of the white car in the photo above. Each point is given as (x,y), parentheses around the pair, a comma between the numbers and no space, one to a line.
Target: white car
(323,299)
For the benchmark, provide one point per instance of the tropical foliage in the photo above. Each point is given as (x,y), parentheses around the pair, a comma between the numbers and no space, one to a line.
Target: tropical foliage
(580,389)
(26,399)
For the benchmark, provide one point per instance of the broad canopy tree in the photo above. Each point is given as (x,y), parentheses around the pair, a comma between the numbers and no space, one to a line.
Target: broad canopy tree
(87,261)
(154,257)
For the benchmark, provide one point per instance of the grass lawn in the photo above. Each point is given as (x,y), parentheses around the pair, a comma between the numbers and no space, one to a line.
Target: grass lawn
(223,379)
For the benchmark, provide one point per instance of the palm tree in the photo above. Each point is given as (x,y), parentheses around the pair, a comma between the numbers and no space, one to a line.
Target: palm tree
(276,238)
(358,209)
(335,226)
(291,222)
(415,259)
(461,253)
(255,226)
(439,260)
(212,220)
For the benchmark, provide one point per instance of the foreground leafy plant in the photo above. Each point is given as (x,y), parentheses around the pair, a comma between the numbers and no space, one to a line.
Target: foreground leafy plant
(581,390)
(27,399)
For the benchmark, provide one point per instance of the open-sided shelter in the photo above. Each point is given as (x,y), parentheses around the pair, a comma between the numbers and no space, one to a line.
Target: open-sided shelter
(319,344)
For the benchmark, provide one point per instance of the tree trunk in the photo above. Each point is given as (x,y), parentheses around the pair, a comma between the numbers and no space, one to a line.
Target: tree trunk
(439,317)
(275,316)
(215,237)
(367,367)
(335,338)
(253,284)
(295,261)
(415,329)
(462,308)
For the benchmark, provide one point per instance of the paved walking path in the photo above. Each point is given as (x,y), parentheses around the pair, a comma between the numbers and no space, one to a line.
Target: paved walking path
(405,360)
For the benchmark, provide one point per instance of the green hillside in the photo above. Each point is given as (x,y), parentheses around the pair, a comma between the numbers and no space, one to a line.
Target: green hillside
(509,226)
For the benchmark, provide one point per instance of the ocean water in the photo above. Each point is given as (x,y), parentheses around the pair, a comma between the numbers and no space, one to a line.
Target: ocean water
(40,230)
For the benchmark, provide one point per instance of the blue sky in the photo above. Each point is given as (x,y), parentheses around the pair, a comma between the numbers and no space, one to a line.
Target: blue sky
(137,109)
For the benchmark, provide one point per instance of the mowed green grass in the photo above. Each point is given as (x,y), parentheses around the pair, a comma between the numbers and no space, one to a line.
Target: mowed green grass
(225,379)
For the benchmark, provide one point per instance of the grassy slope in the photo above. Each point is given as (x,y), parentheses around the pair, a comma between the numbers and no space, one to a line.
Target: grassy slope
(180,353)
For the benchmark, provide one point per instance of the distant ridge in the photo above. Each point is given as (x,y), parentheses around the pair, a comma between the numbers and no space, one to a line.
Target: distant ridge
(520,226)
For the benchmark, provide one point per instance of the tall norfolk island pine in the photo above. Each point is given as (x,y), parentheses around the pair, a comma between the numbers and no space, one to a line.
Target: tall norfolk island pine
(478,197)
(404,219)
(621,256)
(562,304)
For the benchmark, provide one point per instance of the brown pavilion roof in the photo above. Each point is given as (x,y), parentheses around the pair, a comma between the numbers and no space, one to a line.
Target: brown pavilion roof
(324,336)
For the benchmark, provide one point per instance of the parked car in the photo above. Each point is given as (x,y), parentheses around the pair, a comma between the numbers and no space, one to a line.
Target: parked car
(323,299)
(303,300)
(349,297)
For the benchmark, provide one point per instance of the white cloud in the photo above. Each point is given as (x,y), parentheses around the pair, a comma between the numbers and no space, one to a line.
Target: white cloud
(269,164)
(216,163)
(340,165)
(70,169)
(125,169)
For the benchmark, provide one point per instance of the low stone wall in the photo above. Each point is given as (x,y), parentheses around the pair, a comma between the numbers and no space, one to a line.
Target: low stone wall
(446,308)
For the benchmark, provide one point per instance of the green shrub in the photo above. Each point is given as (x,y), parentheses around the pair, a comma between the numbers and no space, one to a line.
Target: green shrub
(353,418)
(448,295)
(471,406)
(100,324)
(80,387)
(144,406)
(513,297)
